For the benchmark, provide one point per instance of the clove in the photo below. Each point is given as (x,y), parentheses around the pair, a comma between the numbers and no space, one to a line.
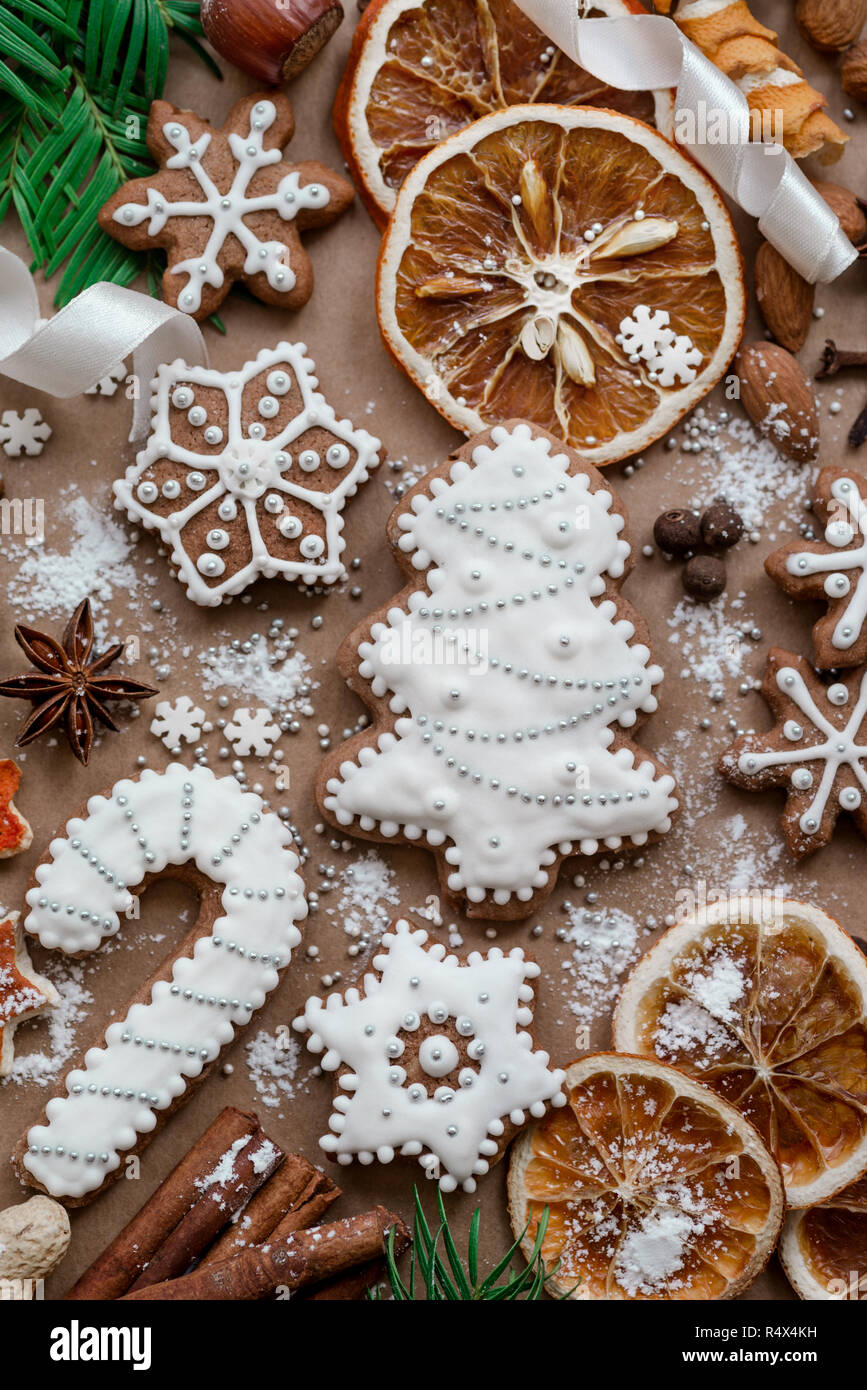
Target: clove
(834,359)
(858,432)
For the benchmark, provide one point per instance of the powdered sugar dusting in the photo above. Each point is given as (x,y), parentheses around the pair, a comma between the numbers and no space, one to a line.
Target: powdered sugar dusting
(43,1065)
(272,1061)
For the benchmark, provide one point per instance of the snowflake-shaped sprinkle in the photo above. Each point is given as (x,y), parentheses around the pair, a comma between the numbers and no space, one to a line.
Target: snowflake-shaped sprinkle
(675,361)
(228,201)
(246,474)
(643,334)
(177,720)
(817,750)
(23,434)
(438,1055)
(252,731)
(108,384)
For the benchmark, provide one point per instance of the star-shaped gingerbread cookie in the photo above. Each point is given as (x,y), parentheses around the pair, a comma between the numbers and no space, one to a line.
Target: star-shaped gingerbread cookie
(23,993)
(832,568)
(226,205)
(817,750)
(15,832)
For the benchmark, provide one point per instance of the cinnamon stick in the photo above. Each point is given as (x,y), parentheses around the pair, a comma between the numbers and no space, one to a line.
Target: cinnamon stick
(308,1257)
(297,1195)
(239,1174)
(112,1273)
(355,1282)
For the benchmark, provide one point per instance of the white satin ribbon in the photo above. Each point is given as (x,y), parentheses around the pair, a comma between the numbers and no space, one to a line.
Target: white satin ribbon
(83,341)
(642,52)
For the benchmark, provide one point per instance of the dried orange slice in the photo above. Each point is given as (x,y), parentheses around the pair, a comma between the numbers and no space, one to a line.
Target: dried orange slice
(655,1187)
(824,1250)
(566,266)
(766,1002)
(419,70)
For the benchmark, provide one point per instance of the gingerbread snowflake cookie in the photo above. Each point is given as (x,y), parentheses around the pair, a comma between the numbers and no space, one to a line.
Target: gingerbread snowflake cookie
(817,750)
(245,474)
(226,206)
(505,680)
(434,1060)
(832,568)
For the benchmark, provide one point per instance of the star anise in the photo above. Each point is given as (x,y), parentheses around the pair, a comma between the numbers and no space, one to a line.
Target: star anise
(69,689)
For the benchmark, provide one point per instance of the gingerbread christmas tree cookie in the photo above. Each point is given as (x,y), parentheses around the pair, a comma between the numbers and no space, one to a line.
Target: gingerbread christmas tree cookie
(817,750)
(832,568)
(506,680)
(226,205)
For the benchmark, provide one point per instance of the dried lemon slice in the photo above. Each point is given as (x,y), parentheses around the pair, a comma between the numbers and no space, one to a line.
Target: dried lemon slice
(655,1187)
(566,266)
(824,1249)
(421,69)
(766,1002)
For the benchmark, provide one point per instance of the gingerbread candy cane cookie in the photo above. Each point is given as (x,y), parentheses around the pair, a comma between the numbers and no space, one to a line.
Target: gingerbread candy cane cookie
(183,823)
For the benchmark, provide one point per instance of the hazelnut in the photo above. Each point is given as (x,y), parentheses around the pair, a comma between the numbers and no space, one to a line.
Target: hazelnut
(272,40)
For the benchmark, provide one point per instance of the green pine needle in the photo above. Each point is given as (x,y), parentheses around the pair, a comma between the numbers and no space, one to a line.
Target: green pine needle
(453,1279)
(76,83)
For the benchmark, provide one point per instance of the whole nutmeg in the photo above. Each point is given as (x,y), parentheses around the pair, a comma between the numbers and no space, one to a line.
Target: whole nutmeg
(853,71)
(34,1237)
(850,210)
(272,40)
(721,526)
(831,25)
(704,577)
(678,531)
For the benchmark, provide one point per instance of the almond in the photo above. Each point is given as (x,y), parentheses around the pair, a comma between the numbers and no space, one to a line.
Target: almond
(831,25)
(778,397)
(853,71)
(851,211)
(784,297)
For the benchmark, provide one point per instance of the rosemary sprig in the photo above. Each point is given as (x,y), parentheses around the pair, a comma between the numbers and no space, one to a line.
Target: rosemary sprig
(453,1279)
(76,80)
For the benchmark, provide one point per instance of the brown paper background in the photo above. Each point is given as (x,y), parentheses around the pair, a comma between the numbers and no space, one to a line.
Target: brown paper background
(338,325)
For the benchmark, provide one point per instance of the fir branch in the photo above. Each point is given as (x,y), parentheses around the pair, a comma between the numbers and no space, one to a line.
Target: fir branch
(77,81)
(456,1280)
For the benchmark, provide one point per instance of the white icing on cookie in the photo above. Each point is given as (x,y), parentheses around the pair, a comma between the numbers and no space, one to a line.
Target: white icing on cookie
(843,567)
(452,1128)
(825,742)
(178,816)
(228,210)
(506,675)
(249,473)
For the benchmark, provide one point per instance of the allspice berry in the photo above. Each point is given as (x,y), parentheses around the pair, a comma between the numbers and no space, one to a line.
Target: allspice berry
(721,526)
(704,577)
(677,531)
